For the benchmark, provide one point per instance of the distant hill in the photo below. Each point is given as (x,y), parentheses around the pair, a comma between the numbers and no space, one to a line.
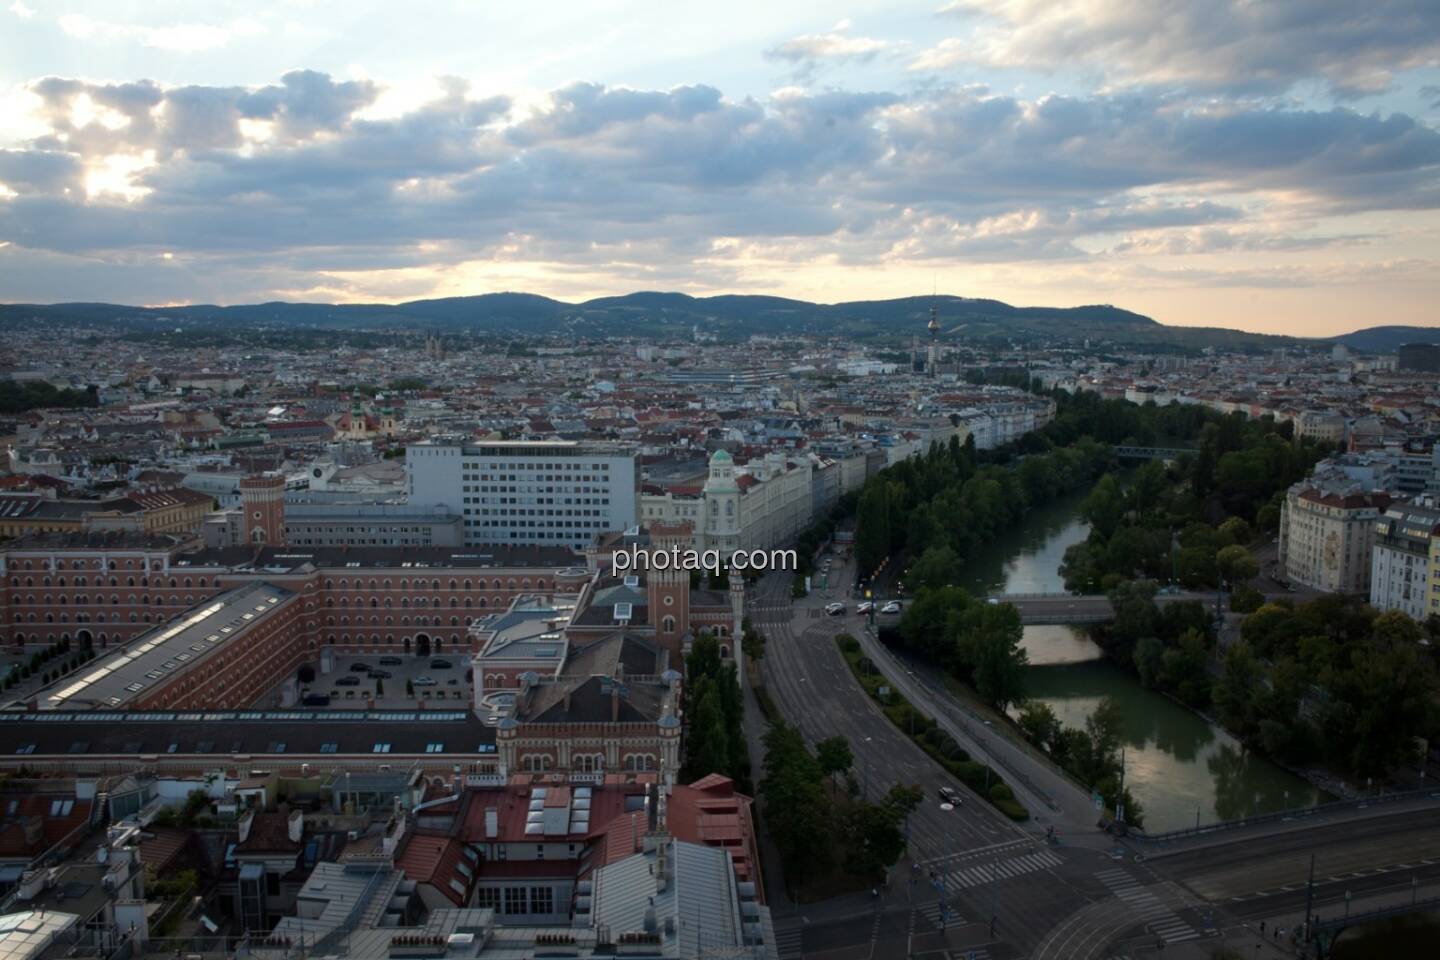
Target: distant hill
(729,317)
(644,313)
(1387,339)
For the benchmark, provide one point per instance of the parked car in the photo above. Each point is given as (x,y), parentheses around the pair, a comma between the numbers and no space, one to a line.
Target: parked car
(380,674)
(834,609)
(360,668)
(425,682)
(892,607)
(864,607)
(441,665)
(348,682)
(316,700)
(391,662)
(950,795)
(452,682)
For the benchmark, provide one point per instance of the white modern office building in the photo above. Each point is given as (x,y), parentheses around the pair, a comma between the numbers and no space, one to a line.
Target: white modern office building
(550,492)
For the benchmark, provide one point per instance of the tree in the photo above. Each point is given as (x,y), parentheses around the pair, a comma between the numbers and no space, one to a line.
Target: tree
(1149,658)
(795,805)
(707,748)
(937,567)
(379,687)
(872,527)
(1237,565)
(409,687)
(1237,530)
(1105,507)
(999,660)
(1040,724)
(1183,669)
(1234,694)
(834,756)
(874,839)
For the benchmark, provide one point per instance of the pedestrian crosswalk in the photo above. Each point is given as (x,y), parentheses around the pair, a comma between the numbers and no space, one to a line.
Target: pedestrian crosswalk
(1001,870)
(1156,914)
(1002,849)
(931,912)
(788,942)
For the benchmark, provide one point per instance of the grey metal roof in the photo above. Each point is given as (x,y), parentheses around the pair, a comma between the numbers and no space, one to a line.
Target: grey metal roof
(156,656)
(218,734)
(698,912)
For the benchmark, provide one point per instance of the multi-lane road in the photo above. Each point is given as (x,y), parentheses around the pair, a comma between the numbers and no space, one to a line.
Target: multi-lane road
(1085,898)
(985,862)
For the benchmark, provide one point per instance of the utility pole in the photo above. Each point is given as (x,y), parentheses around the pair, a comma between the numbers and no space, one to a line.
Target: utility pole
(994,894)
(1310,897)
(1120,795)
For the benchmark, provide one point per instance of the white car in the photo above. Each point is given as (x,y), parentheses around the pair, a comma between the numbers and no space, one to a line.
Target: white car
(892,607)
(834,609)
(425,682)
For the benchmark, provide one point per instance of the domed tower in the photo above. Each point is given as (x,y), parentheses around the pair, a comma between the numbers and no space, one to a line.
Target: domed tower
(357,426)
(387,419)
(722,505)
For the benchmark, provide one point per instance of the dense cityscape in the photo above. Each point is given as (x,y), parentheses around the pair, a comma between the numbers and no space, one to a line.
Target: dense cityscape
(931,479)
(340,648)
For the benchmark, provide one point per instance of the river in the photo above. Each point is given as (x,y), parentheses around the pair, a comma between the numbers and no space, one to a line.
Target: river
(1177,765)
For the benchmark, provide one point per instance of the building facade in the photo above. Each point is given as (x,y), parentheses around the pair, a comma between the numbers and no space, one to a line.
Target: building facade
(549,493)
(1327,531)
(1400,570)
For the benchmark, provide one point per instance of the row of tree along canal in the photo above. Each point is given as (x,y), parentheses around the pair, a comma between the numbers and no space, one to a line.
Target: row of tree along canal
(1177,764)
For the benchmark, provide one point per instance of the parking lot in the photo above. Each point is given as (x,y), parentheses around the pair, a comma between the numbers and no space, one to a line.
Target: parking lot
(347,686)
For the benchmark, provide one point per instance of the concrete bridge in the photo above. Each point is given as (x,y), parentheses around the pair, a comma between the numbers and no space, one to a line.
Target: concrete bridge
(1038,608)
(1153,453)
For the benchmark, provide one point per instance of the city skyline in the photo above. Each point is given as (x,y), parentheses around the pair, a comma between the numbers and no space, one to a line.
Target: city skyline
(1271,169)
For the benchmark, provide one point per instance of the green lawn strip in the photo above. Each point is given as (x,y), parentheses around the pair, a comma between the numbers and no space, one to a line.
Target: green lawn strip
(922,729)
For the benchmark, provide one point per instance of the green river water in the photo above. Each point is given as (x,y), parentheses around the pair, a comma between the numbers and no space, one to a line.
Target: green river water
(1178,765)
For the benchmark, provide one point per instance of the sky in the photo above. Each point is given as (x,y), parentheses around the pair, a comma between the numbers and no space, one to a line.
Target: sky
(1269,165)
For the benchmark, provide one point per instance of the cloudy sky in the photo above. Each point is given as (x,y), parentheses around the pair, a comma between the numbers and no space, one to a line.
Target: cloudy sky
(1272,165)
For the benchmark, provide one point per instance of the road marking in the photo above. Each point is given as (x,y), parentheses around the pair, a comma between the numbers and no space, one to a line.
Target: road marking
(979,851)
(931,912)
(787,942)
(1001,870)
(1154,912)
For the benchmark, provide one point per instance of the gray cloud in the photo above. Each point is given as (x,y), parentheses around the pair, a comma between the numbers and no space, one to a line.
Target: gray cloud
(810,51)
(1218,45)
(638,182)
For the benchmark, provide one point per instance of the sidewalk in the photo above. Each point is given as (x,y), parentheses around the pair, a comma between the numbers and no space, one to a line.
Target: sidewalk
(1050,797)
(772,874)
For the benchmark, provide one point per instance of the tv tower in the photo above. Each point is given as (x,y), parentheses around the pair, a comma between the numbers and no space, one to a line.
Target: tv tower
(932,358)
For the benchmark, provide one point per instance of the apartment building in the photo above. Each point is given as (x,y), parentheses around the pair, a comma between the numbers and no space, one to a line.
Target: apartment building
(765,503)
(551,493)
(1327,532)
(1400,568)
